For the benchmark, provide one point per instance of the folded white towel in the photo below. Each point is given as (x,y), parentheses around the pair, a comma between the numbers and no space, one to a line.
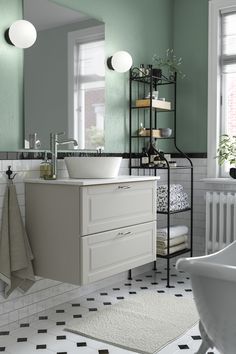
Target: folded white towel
(175,231)
(164,251)
(15,252)
(161,243)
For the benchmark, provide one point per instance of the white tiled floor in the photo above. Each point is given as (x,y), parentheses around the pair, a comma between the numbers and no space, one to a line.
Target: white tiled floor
(44,333)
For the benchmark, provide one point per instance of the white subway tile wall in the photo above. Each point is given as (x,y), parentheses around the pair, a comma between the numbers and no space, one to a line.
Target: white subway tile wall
(47,293)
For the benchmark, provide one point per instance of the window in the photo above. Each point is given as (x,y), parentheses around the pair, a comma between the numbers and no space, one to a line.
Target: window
(86,99)
(228,72)
(89,92)
(221,79)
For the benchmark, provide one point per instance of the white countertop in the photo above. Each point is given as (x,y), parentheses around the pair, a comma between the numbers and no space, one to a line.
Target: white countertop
(91,181)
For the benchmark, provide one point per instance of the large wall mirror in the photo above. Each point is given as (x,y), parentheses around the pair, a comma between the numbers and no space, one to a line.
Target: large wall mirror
(64,76)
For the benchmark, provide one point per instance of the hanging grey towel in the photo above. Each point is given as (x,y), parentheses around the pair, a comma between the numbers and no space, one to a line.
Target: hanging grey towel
(15,253)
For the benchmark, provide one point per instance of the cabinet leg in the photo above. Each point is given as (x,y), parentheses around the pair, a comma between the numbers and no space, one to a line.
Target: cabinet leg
(155,265)
(130,274)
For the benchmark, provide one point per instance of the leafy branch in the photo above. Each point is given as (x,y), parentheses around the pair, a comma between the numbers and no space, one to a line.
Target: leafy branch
(170,61)
(227,150)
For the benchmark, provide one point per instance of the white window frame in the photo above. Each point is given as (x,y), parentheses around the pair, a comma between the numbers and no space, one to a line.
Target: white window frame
(214,82)
(80,36)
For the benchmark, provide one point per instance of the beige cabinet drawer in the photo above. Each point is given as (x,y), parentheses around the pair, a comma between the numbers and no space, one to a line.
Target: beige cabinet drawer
(112,252)
(111,206)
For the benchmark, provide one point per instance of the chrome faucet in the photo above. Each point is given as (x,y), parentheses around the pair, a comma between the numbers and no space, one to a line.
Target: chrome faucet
(55,139)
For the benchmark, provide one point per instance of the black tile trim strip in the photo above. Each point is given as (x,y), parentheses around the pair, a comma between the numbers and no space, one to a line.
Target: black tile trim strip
(9,155)
(26,155)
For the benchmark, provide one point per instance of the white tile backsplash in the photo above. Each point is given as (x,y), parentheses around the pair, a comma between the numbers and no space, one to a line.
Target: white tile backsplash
(47,293)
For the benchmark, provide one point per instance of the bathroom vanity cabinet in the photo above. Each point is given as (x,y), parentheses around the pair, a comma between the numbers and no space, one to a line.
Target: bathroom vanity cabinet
(82,231)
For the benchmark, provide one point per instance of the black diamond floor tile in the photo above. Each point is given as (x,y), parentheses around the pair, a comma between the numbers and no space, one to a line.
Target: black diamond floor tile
(41,346)
(183,346)
(22,339)
(24,325)
(196,337)
(42,330)
(60,323)
(81,344)
(61,337)
(4,333)
(77,316)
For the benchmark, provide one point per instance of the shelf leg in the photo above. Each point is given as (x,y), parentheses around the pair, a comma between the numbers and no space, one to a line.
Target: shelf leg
(168,273)
(130,274)
(155,265)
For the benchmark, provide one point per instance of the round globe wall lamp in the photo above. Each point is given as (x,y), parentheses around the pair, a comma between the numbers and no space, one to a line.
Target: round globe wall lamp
(21,34)
(121,62)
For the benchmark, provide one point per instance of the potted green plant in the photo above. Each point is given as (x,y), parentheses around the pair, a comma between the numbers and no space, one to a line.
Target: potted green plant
(227,152)
(169,62)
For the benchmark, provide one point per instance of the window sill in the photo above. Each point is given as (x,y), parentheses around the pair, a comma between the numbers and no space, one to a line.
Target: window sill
(220,180)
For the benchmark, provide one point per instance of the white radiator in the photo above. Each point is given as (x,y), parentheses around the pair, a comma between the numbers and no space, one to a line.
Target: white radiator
(220,220)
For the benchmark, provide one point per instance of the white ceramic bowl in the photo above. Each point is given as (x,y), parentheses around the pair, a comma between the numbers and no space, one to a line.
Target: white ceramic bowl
(93,167)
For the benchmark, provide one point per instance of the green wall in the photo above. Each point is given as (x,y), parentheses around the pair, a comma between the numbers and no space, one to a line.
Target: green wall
(142,28)
(191,43)
(11,121)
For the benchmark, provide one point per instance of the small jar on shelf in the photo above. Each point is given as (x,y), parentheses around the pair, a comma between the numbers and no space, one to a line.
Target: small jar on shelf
(142,71)
(152,152)
(144,159)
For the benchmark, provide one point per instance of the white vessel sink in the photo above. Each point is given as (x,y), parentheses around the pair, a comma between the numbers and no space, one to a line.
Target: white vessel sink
(93,167)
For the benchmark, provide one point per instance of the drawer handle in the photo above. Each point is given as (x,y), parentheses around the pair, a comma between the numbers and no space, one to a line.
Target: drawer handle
(124,187)
(121,234)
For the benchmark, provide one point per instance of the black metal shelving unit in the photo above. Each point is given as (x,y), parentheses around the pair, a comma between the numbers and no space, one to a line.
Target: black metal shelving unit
(139,86)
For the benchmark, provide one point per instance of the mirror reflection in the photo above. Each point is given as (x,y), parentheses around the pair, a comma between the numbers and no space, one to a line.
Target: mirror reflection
(64,76)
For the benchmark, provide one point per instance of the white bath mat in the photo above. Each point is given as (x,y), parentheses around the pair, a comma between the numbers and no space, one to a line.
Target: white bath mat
(145,323)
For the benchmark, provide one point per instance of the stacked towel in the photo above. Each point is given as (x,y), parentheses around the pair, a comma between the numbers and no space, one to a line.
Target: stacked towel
(178,239)
(178,198)
(15,253)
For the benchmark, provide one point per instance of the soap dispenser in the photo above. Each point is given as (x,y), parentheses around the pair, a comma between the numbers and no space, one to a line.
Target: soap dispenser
(45,167)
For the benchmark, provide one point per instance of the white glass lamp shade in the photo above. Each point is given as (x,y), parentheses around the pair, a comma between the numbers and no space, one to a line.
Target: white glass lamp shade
(121,61)
(22,34)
